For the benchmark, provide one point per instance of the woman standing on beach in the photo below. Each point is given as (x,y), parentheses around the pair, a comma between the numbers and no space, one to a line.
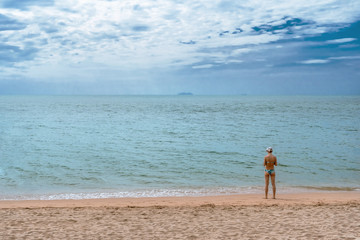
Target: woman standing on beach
(270,162)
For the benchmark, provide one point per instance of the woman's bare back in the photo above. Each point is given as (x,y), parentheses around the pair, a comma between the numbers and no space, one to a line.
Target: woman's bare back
(270,161)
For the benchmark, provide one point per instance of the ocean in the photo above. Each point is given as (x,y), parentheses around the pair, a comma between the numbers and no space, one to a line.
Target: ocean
(75,147)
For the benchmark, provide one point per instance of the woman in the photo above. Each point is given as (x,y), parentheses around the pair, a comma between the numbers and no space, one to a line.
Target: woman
(270,162)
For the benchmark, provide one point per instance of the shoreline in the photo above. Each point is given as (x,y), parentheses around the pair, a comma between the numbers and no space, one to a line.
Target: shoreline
(303,198)
(160,193)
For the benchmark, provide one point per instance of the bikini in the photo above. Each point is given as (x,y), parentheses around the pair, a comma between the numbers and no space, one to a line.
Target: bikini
(270,171)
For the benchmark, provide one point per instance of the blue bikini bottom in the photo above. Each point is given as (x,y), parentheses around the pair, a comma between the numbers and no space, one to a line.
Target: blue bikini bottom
(270,171)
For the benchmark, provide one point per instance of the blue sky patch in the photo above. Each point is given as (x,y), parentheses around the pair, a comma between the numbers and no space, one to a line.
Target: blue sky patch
(7,23)
(23,4)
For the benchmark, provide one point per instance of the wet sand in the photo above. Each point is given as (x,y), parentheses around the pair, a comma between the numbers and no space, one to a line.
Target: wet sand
(330,215)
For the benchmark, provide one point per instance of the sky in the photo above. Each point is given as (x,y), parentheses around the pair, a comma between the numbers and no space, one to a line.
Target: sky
(254,47)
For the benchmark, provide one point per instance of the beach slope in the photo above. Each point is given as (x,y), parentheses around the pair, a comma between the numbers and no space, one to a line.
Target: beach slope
(333,215)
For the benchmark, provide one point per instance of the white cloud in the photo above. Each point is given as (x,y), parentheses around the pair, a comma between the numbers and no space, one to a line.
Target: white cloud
(235,61)
(327,60)
(315,61)
(241,51)
(345,58)
(203,66)
(140,34)
(341,40)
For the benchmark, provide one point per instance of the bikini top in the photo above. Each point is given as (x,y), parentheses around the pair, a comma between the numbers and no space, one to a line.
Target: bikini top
(268,162)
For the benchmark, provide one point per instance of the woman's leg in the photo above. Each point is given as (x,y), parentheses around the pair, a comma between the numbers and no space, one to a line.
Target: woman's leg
(266,184)
(273,184)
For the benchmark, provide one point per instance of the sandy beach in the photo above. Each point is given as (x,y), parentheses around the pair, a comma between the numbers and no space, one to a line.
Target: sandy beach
(320,215)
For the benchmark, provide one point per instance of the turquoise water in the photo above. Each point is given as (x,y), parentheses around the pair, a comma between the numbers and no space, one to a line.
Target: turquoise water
(54,147)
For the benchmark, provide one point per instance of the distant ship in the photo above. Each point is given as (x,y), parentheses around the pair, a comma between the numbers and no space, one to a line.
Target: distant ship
(185,94)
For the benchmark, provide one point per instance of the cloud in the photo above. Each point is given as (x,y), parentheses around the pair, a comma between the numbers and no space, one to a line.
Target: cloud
(13,54)
(7,23)
(240,51)
(345,58)
(315,61)
(65,39)
(140,28)
(341,40)
(234,61)
(203,66)
(188,42)
(285,25)
(22,4)
(327,60)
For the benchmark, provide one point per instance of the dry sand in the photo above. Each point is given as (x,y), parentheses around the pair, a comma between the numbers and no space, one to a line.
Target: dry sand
(291,216)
